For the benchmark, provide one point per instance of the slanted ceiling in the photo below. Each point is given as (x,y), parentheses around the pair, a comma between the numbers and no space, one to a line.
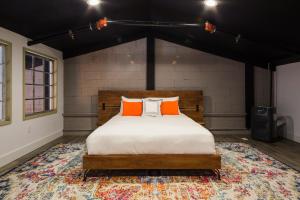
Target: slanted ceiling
(269,29)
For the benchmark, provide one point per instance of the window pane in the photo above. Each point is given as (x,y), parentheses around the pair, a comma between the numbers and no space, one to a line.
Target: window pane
(29,91)
(52,103)
(47,66)
(28,107)
(41,77)
(38,64)
(48,92)
(38,91)
(47,105)
(38,77)
(47,79)
(39,105)
(28,62)
(28,76)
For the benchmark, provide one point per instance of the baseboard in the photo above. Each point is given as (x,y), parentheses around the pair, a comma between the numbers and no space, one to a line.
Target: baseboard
(231,132)
(297,139)
(21,151)
(77,132)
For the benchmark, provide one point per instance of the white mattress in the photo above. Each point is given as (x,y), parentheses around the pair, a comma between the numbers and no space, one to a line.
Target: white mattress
(151,135)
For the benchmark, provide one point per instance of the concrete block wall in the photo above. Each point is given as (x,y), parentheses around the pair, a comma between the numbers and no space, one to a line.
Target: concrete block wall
(177,67)
(221,79)
(118,67)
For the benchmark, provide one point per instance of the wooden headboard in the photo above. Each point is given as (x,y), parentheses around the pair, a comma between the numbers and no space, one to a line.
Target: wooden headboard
(190,102)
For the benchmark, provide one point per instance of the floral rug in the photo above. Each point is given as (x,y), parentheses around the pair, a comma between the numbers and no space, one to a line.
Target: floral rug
(246,174)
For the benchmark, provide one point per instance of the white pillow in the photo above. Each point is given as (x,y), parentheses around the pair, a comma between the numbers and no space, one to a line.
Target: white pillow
(128,100)
(166,99)
(151,107)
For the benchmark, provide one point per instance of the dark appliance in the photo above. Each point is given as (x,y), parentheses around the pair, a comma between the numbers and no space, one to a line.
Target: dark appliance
(263,123)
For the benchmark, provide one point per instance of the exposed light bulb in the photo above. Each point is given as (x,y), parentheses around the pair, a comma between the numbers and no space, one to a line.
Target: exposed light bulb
(93,2)
(211,3)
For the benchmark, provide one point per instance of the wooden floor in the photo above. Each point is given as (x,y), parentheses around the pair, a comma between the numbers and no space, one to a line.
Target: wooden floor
(285,151)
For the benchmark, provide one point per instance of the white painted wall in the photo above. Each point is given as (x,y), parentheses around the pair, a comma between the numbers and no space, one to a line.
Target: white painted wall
(22,137)
(288,97)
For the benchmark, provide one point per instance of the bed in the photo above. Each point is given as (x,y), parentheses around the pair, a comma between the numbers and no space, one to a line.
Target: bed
(167,142)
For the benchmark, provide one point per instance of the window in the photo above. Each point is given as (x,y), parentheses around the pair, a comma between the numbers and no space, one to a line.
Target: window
(5,86)
(40,85)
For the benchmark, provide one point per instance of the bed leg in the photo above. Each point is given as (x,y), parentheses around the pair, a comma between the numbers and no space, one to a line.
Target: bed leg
(217,173)
(85,173)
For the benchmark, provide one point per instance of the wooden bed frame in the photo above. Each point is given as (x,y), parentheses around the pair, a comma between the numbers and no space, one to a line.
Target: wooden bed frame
(190,103)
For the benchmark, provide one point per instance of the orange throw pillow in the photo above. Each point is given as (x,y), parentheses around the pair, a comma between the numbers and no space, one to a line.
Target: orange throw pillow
(132,108)
(169,108)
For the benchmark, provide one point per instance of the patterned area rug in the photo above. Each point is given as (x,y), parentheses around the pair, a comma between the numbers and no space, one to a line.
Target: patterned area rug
(246,174)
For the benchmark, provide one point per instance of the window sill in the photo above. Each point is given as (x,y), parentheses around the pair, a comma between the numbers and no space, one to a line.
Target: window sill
(38,115)
(4,123)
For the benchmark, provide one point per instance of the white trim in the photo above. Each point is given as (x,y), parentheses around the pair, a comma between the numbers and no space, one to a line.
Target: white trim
(296,139)
(21,151)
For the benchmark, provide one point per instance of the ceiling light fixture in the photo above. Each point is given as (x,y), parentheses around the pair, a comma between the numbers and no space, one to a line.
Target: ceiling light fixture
(93,2)
(211,3)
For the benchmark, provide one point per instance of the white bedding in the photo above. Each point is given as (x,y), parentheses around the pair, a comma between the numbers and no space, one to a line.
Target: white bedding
(151,135)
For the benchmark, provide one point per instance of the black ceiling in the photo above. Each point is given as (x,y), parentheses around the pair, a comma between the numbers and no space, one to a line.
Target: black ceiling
(269,28)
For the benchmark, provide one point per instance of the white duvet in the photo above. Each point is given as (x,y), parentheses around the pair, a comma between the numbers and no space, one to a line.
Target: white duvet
(151,135)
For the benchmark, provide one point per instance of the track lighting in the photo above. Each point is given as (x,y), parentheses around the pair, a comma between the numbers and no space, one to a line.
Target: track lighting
(93,2)
(210,3)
